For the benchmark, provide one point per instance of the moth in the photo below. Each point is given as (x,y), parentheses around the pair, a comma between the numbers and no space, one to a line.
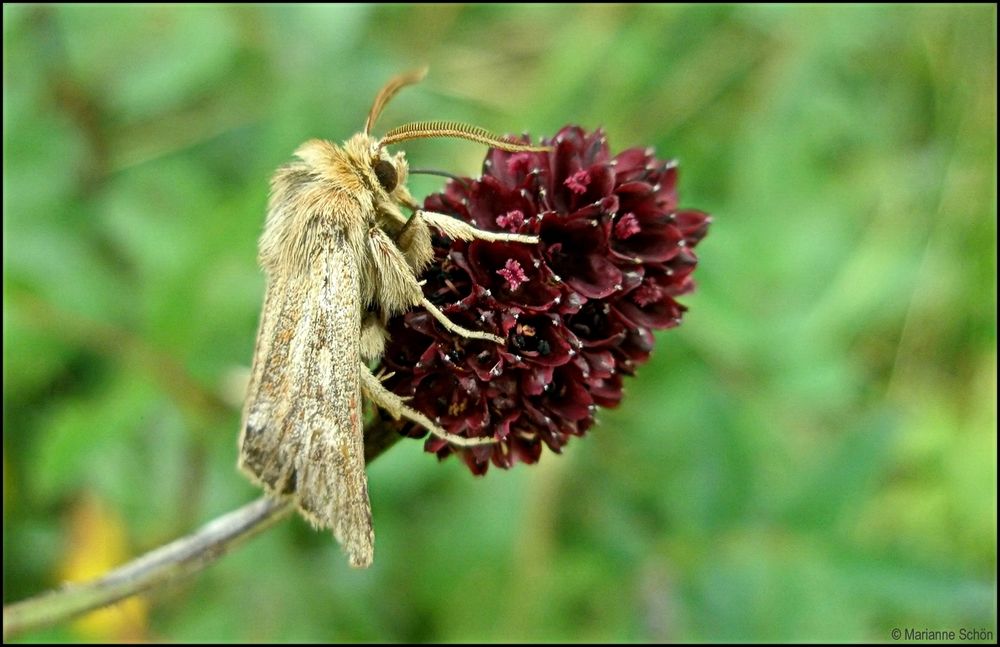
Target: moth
(340,259)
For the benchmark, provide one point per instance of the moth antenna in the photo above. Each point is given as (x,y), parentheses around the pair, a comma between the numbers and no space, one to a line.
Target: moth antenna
(389,90)
(426,129)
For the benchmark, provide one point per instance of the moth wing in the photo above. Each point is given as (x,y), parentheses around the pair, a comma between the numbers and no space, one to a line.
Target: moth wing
(303,430)
(267,446)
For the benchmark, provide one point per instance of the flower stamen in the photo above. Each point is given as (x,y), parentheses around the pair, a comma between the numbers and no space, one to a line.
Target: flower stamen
(647,293)
(578,182)
(518,163)
(627,226)
(512,220)
(513,273)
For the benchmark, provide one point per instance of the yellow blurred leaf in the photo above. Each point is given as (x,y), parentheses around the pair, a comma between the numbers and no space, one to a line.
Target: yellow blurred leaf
(98,543)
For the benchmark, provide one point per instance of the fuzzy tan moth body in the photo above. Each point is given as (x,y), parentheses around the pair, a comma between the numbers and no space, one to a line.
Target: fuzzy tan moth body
(341,259)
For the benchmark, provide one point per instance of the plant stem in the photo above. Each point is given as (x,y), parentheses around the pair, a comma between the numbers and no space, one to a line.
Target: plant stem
(173,561)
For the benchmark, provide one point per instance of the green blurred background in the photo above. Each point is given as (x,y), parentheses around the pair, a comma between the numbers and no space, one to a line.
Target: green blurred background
(811,456)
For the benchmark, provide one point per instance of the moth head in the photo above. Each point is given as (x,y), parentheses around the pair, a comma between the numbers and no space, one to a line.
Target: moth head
(385,173)
(379,172)
(388,171)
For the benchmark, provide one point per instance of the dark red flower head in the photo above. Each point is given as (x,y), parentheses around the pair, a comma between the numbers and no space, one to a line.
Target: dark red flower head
(577,310)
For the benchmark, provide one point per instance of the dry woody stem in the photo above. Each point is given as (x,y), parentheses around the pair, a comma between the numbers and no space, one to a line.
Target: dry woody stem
(171,562)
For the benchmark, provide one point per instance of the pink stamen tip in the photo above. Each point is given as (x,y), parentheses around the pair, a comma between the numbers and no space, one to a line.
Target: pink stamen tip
(647,293)
(518,163)
(513,273)
(627,226)
(578,182)
(511,220)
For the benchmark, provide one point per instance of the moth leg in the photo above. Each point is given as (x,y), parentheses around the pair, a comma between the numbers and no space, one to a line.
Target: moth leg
(414,240)
(392,403)
(373,337)
(382,375)
(454,327)
(411,235)
(398,289)
(455,228)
